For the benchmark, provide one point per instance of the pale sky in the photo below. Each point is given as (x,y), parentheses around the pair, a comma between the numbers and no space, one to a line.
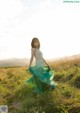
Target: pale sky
(56,24)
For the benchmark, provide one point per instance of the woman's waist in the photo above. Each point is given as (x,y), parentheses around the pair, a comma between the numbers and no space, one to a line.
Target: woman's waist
(39,62)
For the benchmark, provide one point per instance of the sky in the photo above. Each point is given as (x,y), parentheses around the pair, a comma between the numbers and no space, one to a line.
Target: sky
(55,23)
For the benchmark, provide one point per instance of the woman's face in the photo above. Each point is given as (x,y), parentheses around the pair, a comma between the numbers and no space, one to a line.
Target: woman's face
(36,44)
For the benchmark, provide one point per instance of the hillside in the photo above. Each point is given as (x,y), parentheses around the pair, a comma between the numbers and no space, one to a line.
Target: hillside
(25,61)
(19,97)
(14,62)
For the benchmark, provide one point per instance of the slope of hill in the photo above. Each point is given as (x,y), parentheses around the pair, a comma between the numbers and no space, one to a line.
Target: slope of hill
(25,61)
(14,62)
(19,97)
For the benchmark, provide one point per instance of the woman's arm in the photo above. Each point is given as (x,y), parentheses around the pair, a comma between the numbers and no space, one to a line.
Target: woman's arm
(45,62)
(47,65)
(32,56)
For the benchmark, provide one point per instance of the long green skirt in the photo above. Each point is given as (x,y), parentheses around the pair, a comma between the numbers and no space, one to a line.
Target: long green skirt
(41,79)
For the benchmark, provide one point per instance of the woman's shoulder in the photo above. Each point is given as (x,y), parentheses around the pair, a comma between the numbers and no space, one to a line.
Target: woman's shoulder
(33,49)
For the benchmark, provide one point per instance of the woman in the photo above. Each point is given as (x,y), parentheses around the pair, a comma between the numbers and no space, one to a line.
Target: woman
(42,75)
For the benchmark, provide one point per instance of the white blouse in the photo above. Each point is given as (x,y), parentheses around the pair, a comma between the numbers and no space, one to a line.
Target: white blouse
(38,56)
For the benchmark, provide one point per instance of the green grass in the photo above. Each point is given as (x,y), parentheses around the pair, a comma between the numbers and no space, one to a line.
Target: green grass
(21,99)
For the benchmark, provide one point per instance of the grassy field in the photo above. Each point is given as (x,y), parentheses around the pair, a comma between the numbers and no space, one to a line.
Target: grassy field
(19,97)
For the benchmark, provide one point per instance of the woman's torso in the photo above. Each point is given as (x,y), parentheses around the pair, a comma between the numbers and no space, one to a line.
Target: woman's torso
(38,56)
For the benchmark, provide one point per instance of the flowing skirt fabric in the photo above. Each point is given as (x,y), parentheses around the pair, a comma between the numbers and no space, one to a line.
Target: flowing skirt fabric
(41,79)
